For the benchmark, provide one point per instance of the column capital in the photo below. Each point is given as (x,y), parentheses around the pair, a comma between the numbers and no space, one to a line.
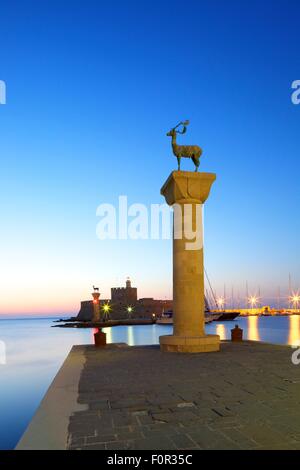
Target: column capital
(187,186)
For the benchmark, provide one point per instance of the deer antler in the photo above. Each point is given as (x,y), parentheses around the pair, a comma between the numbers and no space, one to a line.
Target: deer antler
(184,124)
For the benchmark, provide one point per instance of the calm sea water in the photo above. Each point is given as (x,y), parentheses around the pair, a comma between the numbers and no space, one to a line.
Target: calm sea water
(35,352)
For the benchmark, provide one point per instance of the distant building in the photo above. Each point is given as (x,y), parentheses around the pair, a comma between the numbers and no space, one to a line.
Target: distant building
(124,295)
(147,306)
(124,303)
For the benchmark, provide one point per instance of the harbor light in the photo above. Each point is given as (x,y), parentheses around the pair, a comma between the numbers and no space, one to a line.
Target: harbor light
(295,299)
(221,302)
(253,300)
(106,309)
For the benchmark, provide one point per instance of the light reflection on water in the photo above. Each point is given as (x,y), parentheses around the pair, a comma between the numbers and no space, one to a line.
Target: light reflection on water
(253,332)
(294,330)
(35,352)
(221,331)
(130,338)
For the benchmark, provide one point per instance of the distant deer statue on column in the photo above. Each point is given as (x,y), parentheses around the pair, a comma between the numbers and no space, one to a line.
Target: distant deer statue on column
(184,151)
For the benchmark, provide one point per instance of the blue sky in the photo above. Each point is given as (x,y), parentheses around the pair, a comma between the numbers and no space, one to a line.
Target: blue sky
(92,89)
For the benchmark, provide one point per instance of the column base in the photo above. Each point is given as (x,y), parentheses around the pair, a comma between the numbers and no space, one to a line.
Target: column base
(189,344)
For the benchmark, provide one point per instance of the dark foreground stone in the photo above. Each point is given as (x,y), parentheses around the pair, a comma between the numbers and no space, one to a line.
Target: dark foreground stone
(245,397)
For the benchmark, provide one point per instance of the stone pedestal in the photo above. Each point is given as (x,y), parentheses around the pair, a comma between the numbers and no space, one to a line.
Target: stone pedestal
(96,307)
(187,192)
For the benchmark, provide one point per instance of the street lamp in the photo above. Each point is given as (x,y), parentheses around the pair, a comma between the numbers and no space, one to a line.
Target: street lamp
(221,302)
(295,300)
(106,309)
(253,300)
(129,310)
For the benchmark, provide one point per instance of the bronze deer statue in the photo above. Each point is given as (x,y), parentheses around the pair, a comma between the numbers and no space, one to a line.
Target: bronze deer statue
(184,151)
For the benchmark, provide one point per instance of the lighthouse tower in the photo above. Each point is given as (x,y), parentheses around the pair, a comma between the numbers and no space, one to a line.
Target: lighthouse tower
(96,305)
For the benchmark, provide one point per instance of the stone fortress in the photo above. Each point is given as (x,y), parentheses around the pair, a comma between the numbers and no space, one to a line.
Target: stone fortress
(124,295)
(123,298)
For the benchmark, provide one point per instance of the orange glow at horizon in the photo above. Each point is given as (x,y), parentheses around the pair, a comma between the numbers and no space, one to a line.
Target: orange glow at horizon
(40,297)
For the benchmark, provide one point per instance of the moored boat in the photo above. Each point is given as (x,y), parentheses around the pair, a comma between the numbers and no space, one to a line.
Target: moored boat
(228,316)
(164,321)
(167,318)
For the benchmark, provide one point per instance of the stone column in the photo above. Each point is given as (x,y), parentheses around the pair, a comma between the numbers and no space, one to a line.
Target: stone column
(187,192)
(96,306)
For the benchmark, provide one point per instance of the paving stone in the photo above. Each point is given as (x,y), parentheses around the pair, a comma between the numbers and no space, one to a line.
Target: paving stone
(140,413)
(145,419)
(120,445)
(93,447)
(163,417)
(120,435)
(100,439)
(128,403)
(186,405)
(264,435)
(122,420)
(222,411)
(224,422)
(79,441)
(105,431)
(203,436)
(158,431)
(159,442)
(182,441)
(239,438)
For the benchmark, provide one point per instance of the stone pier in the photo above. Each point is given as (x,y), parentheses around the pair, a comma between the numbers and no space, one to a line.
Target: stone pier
(187,192)
(137,398)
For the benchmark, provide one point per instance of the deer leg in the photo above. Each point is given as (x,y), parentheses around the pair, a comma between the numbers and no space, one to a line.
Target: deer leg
(178,160)
(196,163)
